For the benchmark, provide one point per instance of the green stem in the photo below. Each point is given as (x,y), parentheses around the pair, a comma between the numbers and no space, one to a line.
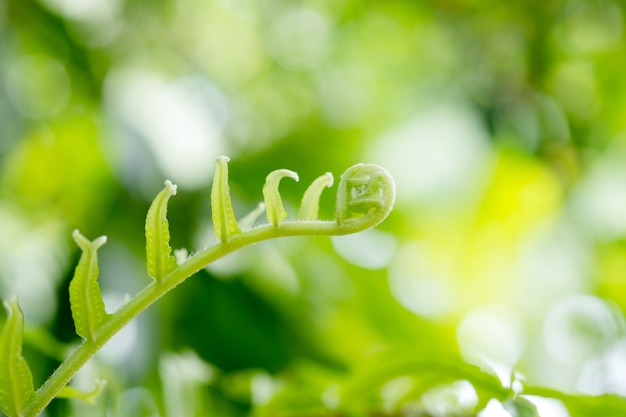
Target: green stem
(146,297)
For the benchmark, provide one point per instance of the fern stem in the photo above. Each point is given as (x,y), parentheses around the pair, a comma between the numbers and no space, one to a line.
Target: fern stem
(365,197)
(150,294)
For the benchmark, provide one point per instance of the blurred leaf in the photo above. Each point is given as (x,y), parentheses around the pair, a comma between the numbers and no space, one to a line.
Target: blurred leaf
(16,381)
(584,405)
(248,220)
(435,369)
(521,407)
(230,326)
(88,397)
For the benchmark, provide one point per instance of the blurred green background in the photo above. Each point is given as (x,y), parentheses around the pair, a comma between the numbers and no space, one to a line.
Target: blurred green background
(503,124)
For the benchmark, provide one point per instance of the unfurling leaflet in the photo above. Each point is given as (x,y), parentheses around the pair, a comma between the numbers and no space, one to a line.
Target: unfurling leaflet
(224,221)
(248,221)
(273,203)
(88,397)
(159,255)
(85,299)
(310,205)
(365,197)
(16,381)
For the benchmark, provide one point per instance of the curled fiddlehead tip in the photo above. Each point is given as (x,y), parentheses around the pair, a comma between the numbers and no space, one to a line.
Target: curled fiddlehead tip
(365,197)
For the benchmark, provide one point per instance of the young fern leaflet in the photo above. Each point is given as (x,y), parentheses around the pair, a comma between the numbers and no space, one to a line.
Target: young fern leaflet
(86,301)
(159,253)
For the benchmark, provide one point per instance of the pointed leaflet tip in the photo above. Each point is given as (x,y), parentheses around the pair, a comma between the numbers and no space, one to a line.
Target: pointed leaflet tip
(310,205)
(273,203)
(158,251)
(16,381)
(86,301)
(223,216)
(171,186)
(84,243)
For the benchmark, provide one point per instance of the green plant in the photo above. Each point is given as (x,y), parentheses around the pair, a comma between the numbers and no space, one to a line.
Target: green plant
(365,196)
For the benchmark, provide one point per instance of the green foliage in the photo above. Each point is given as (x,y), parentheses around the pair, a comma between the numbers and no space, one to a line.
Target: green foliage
(502,123)
(584,405)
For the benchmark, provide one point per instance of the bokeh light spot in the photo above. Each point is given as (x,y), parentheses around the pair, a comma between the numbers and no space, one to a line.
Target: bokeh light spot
(548,407)
(491,333)
(300,38)
(581,327)
(494,408)
(458,398)
(38,86)
(438,156)
(599,200)
(418,284)
(372,249)
(181,122)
